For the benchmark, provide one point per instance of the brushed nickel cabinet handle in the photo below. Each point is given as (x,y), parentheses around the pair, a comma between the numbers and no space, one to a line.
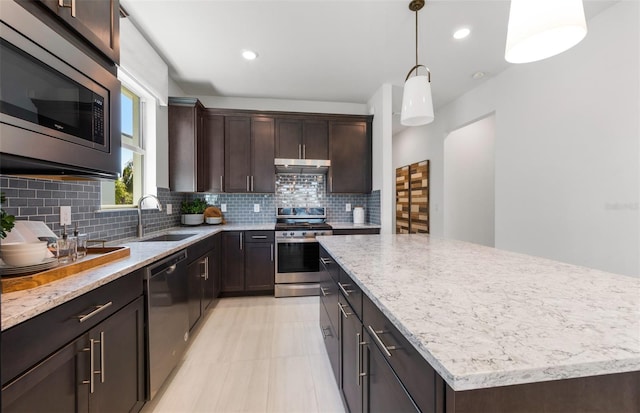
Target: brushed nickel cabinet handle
(345,291)
(299,151)
(91,365)
(304,151)
(325,261)
(344,313)
(258,237)
(84,317)
(247,183)
(221,184)
(251,183)
(241,240)
(359,373)
(324,291)
(73,8)
(102,357)
(271,252)
(381,344)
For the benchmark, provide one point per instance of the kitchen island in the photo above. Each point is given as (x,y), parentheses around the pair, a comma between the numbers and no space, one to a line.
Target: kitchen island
(484,318)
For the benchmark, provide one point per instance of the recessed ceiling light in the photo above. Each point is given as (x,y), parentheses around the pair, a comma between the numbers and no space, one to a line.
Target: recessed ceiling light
(461,33)
(249,54)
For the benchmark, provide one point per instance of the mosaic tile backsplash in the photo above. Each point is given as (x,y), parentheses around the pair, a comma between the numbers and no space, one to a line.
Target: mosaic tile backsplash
(40,200)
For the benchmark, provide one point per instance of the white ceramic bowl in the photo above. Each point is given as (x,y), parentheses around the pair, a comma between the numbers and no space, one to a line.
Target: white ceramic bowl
(23,246)
(192,219)
(214,220)
(21,259)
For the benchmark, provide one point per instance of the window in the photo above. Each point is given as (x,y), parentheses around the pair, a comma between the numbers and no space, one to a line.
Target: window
(137,144)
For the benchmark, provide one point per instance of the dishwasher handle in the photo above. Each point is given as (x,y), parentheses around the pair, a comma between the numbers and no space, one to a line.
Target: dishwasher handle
(166,265)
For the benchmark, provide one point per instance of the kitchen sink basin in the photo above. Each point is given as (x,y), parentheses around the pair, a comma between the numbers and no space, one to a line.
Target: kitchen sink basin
(168,237)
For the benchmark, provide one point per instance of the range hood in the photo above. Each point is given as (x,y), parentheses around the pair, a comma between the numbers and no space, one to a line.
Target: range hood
(302,166)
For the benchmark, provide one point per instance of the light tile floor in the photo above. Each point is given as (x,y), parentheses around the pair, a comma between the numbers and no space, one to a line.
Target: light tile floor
(254,354)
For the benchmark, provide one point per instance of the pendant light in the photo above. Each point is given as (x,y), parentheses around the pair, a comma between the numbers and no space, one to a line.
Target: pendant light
(417,105)
(539,29)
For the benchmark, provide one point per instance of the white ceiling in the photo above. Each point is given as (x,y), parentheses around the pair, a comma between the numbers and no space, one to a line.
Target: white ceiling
(324,50)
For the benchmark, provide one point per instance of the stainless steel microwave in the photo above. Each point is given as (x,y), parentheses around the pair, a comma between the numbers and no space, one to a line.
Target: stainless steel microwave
(59,109)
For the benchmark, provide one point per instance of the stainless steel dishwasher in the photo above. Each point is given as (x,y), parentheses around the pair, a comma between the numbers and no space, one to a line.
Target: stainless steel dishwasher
(166,296)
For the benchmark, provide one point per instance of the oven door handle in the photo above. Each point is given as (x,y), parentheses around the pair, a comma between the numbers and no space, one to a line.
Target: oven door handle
(294,240)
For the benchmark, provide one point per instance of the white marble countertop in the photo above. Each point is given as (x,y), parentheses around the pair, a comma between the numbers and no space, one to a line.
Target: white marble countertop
(484,317)
(20,306)
(351,225)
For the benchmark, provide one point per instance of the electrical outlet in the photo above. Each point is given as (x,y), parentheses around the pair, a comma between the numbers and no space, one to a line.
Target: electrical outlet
(256,207)
(65,215)
(223,207)
(347,207)
(169,209)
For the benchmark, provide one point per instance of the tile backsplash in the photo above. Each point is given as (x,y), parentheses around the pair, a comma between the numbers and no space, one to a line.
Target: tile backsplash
(40,200)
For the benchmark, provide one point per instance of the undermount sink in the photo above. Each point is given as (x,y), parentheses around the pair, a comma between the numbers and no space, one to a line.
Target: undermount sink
(168,237)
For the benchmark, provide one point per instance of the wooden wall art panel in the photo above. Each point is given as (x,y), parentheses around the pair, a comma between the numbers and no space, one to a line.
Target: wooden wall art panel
(402,200)
(412,198)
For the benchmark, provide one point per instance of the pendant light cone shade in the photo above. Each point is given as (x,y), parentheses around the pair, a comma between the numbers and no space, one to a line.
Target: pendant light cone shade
(417,105)
(539,29)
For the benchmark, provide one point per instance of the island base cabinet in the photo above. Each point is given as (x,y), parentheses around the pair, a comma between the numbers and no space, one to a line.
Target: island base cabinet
(331,342)
(383,390)
(113,350)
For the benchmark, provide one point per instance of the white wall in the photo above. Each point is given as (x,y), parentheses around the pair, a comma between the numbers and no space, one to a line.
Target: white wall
(469,183)
(381,107)
(567,148)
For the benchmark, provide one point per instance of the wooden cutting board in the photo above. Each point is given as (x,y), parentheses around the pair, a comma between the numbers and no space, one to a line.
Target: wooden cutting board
(95,257)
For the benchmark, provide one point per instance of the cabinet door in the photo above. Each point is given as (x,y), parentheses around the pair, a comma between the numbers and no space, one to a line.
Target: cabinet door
(196,271)
(350,155)
(188,165)
(331,342)
(54,385)
(383,391)
(98,21)
(288,138)
(262,155)
(351,348)
(237,153)
(259,266)
(119,361)
(233,261)
(214,136)
(212,288)
(316,139)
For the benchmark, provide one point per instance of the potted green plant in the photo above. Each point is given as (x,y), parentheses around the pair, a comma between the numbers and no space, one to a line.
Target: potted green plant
(6,220)
(193,211)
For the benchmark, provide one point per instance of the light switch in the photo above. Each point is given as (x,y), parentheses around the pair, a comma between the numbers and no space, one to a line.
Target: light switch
(65,215)
(347,207)
(169,209)
(256,207)
(223,207)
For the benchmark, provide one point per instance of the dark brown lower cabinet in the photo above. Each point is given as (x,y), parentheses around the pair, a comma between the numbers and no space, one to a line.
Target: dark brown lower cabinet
(101,371)
(259,266)
(331,342)
(351,342)
(248,262)
(383,390)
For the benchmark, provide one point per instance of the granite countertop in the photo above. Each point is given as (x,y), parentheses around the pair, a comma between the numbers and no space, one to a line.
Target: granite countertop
(20,306)
(484,317)
(351,225)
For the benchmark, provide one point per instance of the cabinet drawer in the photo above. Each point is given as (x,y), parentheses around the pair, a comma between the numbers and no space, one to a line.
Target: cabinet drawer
(412,369)
(258,236)
(351,292)
(356,231)
(29,342)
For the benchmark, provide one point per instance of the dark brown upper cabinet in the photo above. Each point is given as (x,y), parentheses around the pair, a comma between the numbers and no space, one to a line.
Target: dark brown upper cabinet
(302,139)
(249,154)
(214,136)
(97,21)
(350,155)
(188,146)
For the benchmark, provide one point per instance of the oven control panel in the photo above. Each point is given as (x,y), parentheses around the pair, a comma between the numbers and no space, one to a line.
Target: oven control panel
(303,234)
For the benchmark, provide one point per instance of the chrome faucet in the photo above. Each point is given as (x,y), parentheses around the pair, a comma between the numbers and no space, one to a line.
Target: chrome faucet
(140,227)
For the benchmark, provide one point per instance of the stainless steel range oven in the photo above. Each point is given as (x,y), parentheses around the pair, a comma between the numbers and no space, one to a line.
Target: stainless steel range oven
(298,252)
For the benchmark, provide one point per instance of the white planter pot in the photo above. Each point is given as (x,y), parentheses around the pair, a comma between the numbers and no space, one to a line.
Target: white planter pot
(192,219)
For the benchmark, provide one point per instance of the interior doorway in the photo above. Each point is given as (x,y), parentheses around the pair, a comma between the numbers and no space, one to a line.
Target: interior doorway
(469,183)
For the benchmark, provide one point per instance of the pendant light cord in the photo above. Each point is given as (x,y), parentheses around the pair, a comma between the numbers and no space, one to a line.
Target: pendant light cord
(416,37)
